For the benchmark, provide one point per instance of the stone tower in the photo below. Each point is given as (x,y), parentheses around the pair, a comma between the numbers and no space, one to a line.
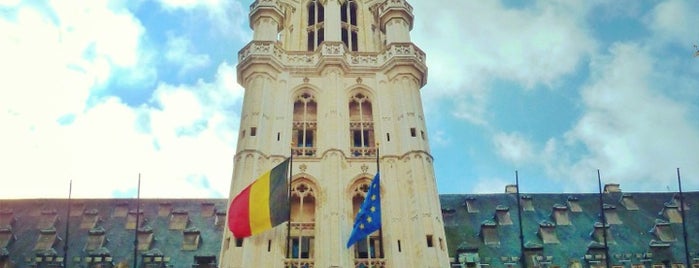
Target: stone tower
(332,82)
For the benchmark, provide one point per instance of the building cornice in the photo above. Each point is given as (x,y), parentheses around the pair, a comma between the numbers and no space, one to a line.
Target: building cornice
(404,57)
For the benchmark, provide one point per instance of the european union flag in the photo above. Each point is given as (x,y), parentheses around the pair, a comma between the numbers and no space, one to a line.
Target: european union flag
(369,216)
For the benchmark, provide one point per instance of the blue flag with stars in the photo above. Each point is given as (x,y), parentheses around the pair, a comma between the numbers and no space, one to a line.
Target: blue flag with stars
(369,216)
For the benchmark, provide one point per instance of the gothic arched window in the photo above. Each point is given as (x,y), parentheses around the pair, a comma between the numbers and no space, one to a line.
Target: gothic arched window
(316,16)
(361,126)
(372,244)
(348,16)
(303,210)
(304,125)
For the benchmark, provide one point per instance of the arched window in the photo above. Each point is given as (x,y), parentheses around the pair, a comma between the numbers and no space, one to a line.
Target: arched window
(348,16)
(303,210)
(316,16)
(372,244)
(304,125)
(361,126)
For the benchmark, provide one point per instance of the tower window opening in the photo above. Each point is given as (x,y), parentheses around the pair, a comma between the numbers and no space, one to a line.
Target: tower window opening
(316,16)
(413,132)
(388,136)
(430,243)
(304,125)
(399,248)
(302,247)
(302,232)
(253,131)
(348,17)
(238,242)
(422,134)
(361,126)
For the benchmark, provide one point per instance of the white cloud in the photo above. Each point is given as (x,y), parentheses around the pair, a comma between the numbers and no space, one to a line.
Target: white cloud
(228,17)
(514,148)
(675,21)
(62,53)
(179,50)
(532,46)
(489,186)
(632,132)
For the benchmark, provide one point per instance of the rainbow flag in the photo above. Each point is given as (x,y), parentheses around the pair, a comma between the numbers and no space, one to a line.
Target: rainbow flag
(262,205)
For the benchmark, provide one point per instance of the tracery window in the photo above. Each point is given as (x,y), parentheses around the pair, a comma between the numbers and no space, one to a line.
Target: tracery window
(304,125)
(348,16)
(369,247)
(302,232)
(361,126)
(316,17)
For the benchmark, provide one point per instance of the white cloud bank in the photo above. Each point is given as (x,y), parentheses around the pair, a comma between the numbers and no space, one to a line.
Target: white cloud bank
(55,59)
(632,132)
(471,43)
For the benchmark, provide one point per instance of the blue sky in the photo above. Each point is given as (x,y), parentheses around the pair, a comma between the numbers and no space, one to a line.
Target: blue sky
(98,92)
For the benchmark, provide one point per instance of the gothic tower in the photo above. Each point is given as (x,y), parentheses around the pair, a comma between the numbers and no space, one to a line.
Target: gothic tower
(332,82)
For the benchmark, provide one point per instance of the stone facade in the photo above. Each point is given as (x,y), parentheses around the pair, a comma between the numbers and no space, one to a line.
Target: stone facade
(337,85)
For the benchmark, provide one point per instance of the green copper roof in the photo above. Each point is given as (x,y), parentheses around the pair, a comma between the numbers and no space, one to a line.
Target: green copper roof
(558,230)
(632,236)
(99,233)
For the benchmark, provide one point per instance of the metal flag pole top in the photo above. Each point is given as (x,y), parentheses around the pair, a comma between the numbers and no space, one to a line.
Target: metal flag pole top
(65,246)
(138,210)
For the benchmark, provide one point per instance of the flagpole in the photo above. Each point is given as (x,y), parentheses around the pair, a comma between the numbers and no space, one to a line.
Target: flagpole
(138,210)
(604,219)
(519,214)
(378,171)
(65,246)
(288,224)
(684,221)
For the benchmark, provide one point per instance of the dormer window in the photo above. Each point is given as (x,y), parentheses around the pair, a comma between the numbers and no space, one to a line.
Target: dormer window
(663,231)
(598,234)
(348,17)
(145,239)
(191,239)
(47,238)
(164,209)
(502,215)
(610,214)
(489,233)
(560,214)
(6,237)
(574,204)
(547,232)
(470,204)
(208,209)
(179,220)
(131,219)
(48,219)
(672,213)
(527,204)
(315,29)
(77,209)
(628,202)
(89,220)
(220,219)
(95,239)
(121,210)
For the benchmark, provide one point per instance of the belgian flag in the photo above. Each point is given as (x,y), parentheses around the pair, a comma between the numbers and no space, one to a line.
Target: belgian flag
(262,205)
